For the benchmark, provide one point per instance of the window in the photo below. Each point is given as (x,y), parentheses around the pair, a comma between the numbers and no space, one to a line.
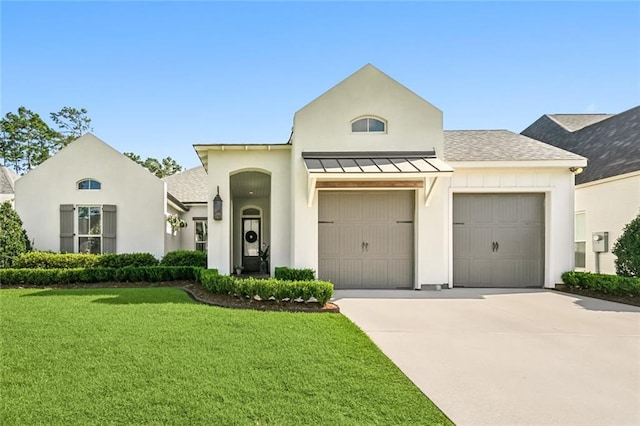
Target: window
(89,229)
(580,240)
(89,184)
(369,125)
(200,234)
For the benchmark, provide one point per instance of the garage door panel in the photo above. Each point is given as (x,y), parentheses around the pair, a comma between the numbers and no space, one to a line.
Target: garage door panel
(350,273)
(377,240)
(531,209)
(397,236)
(400,273)
(350,238)
(373,270)
(350,207)
(375,208)
(329,269)
(532,244)
(505,209)
(329,209)
(401,206)
(510,241)
(328,239)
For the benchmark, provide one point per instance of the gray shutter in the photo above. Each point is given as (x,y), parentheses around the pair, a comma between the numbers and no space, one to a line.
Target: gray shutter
(66,228)
(109,228)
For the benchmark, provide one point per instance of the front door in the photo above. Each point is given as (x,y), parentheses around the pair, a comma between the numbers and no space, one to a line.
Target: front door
(251,244)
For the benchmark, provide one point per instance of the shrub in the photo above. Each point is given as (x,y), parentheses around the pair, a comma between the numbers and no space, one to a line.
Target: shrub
(292,274)
(13,238)
(280,290)
(122,260)
(185,258)
(606,284)
(47,260)
(43,277)
(627,250)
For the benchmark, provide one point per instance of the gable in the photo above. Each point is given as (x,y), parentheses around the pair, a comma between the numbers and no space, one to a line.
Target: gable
(411,123)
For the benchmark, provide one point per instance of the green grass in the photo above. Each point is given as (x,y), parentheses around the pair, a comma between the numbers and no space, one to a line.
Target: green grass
(152,356)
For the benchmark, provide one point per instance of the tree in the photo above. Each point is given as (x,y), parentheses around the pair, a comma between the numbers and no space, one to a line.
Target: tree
(26,140)
(627,250)
(162,168)
(13,238)
(72,123)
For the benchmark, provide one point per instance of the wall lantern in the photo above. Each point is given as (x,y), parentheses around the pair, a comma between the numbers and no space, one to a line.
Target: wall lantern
(217,206)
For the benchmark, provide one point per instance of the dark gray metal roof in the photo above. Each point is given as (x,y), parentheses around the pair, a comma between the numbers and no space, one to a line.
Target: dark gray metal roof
(498,145)
(7,180)
(374,162)
(612,144)
(189,186)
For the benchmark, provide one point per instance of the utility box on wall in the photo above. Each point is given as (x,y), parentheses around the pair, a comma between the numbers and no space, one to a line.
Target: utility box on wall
(600,242)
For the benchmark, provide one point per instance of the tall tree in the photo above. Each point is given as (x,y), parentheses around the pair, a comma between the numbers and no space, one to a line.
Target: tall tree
(26,140)
(161,168)
(72,123)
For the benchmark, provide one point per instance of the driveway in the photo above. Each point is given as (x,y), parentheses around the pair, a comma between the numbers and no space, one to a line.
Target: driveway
(488,356)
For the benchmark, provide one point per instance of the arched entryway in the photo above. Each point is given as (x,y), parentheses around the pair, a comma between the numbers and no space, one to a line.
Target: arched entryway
(251,227)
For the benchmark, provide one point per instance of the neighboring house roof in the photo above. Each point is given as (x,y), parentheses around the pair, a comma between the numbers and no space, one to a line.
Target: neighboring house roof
(189,186)
(498,145)
(573,122)
(611,144)
(7,180)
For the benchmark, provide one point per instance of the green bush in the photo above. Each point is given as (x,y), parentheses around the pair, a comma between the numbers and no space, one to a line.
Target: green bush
(627,250)
(292,274)
(13,238)
(280,290)
(48,260)
(122,260)
(43,277)
(185,258)
(606,284)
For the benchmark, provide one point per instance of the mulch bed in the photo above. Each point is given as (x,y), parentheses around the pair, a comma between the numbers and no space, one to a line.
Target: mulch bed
(627,300)
(201,295)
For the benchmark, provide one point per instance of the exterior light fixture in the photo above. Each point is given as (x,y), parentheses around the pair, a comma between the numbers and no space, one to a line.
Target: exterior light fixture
(575,170)
(217,206)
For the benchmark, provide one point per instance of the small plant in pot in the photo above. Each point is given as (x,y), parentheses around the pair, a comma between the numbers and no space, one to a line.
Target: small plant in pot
(264,259)
(238,269)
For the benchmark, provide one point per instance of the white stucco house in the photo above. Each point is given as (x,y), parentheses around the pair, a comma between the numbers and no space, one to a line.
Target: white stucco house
(607,195)
(371,192)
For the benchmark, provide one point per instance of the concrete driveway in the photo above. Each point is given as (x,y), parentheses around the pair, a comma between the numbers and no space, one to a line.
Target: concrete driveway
(488,356)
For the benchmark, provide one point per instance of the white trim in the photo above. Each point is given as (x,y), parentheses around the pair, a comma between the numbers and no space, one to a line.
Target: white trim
(429,194)
(609,179)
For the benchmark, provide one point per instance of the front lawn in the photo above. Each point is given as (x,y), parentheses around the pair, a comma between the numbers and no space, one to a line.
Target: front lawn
(140,356)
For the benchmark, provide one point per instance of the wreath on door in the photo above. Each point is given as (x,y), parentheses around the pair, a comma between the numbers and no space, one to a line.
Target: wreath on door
(251,237)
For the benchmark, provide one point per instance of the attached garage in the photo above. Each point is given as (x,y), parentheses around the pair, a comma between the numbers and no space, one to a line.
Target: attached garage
(366,238)
(498,240)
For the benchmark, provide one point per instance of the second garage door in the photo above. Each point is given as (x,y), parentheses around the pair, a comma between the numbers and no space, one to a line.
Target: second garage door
(365,238)
(498,240)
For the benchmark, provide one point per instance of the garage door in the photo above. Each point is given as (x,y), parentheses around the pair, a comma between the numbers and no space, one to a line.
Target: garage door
(498,240)
(365,239)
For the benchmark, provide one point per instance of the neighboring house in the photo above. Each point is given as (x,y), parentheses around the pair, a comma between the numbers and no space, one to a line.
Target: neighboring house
(7,184)
(372,193)
(91,198)
(608,190)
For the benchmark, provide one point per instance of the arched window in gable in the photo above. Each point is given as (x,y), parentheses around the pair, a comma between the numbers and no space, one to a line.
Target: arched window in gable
(89,184)
(368,125)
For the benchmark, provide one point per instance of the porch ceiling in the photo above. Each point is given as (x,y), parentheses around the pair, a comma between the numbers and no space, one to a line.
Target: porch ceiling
(250,185)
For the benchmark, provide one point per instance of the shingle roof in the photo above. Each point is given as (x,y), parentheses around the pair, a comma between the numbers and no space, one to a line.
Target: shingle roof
(189,186)
(573,122)
(7,180)
(612,145)
(498,145)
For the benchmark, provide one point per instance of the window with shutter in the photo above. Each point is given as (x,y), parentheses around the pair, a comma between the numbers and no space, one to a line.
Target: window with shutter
(66,228)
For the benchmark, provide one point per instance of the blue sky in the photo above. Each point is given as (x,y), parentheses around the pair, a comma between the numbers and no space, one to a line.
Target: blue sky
(158,77)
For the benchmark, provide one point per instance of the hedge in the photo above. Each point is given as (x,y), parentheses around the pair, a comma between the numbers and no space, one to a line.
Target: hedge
(185,258)
(280,290)
(48,260)
(292,274)
(40,276)
(606,284)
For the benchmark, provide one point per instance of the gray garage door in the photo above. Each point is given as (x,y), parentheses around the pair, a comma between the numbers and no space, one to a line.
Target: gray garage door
(498,240)
(365,239)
